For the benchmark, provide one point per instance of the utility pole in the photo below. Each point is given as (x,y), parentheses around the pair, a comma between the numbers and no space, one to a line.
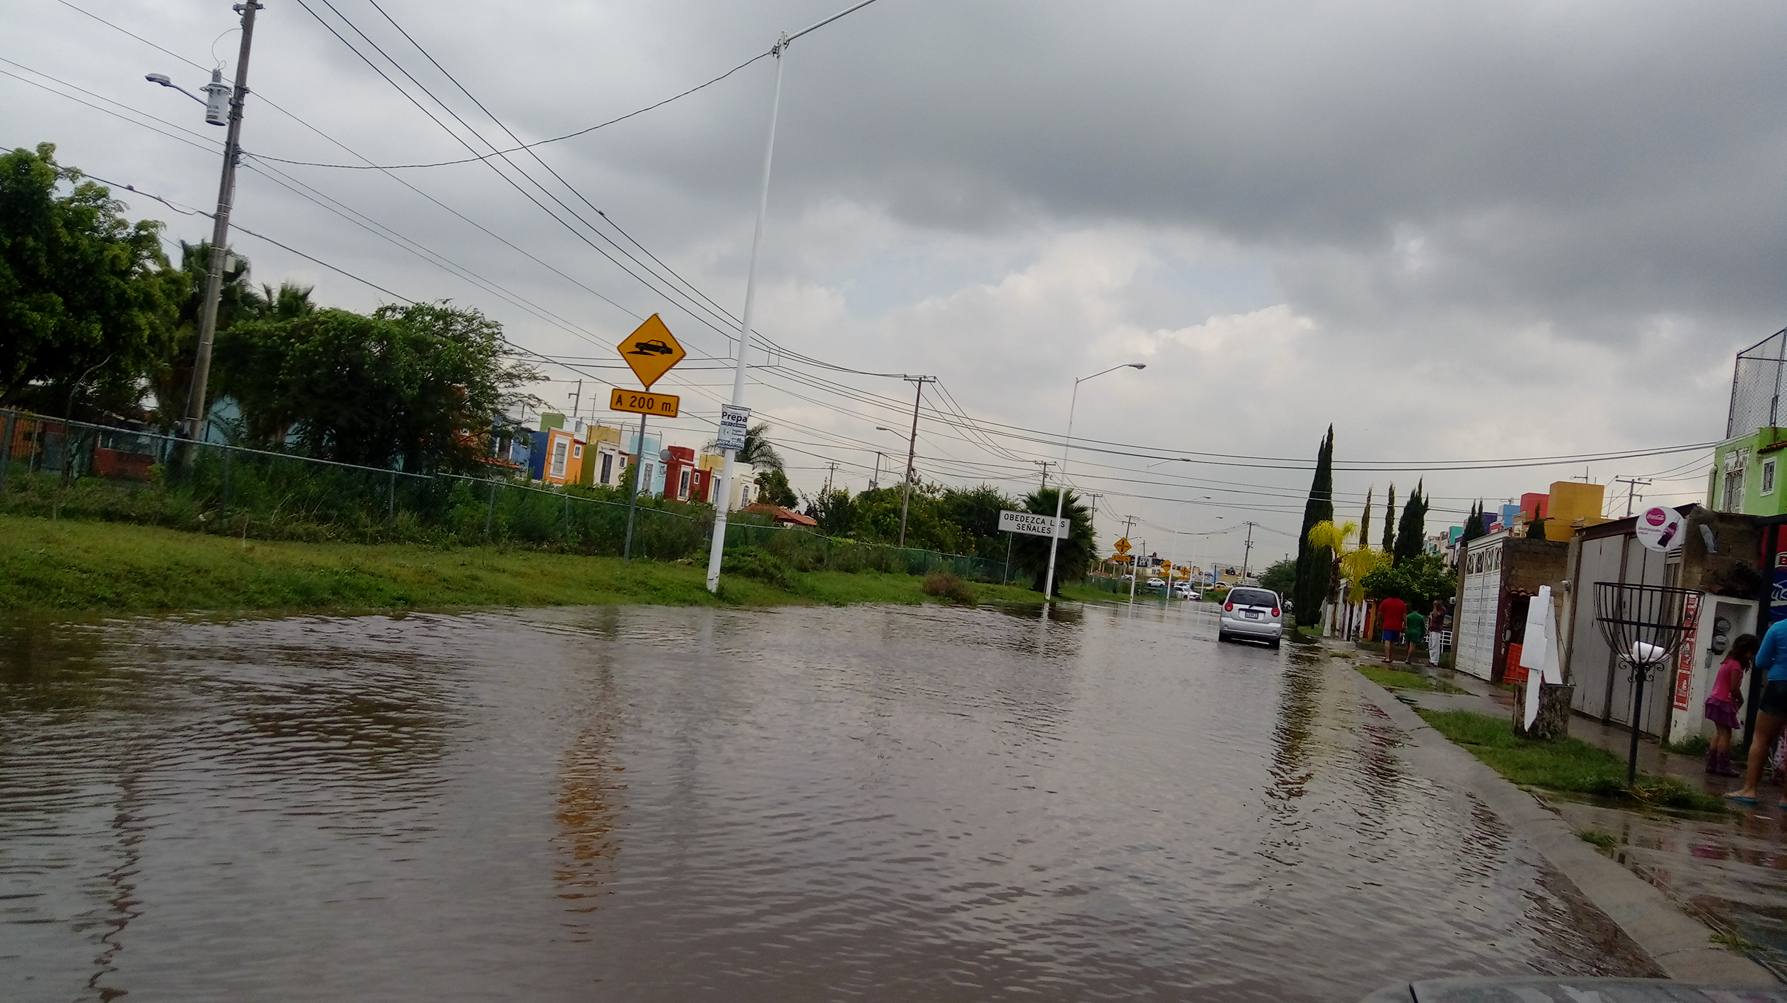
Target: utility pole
(220,230)
(1632,485)
(1045,465)
(875,482)
(1129,522)
(830,468)
(576,404)
(912,449)
(1246,551)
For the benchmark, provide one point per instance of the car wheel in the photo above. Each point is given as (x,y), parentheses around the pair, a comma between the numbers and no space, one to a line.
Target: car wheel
(1222,637)
(1275,643)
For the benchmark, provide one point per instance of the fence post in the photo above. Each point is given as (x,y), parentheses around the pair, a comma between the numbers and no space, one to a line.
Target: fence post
(6,447)
(226,477)
(490,513)
(391,498)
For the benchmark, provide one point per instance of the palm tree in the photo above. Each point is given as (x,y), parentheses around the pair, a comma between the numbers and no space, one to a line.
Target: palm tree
(289,301)
(171,379)
(1329,541)
(757,450)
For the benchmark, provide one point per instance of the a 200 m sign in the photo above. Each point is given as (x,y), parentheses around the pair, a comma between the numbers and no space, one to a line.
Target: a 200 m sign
(641,402)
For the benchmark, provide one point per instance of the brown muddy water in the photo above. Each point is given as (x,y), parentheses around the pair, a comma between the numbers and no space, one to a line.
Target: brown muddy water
(642,803)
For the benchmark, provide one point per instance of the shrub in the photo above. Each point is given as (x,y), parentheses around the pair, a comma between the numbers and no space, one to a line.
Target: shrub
(751,562)
(948,586)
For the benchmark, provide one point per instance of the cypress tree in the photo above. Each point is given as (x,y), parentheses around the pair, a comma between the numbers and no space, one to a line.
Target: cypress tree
(1390,521)
(1365,519)
(1413,526)
(1314,565)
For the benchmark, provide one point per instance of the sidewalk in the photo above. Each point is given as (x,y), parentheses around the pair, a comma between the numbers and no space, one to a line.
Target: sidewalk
(1730,873)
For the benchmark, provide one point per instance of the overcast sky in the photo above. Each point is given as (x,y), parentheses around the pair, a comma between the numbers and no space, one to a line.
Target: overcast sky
(1455,231)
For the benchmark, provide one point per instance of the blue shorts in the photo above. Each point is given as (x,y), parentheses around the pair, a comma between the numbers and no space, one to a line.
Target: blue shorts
(1392,637)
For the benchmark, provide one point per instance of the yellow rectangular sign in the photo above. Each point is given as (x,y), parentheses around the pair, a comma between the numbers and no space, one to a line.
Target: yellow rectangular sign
(641,402)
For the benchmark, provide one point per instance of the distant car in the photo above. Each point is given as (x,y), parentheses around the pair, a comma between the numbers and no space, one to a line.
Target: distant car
(1252,614)
(1155,583)
(652,347)
(1184,591)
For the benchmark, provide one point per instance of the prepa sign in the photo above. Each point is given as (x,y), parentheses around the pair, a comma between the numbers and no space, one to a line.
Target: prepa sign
(1032,524)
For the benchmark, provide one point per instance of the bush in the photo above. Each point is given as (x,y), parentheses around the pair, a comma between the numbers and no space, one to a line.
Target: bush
(750,562)
(948,586)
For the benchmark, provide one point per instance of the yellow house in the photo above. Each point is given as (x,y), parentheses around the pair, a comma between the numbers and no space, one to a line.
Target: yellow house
(1573,504)
(604,462)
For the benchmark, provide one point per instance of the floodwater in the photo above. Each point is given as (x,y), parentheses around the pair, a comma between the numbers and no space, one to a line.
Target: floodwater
(636,803)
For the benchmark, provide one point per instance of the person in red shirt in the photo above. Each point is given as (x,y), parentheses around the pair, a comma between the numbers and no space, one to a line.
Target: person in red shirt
(1723,702)
(1392,612)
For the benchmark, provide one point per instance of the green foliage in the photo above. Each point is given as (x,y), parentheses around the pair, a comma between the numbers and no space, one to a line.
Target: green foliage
(1417,581)
(83,292)
(400,386)
(1280,576)
(1365,517)
(753,563)
(1535,529)
(773,488)
(759,453)
(948,586)
(1397,679)
(1390,521)
(1567,764)
(834,510)
(1074,555)
(1411,531)
(1315,564)
(1693,745)
(1598,839)
(1473,524)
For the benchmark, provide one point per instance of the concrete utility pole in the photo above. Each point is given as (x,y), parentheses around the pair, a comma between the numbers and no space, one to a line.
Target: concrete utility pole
(1044,465)
(1632,485)
(875,482)
(830,468)
(220,230)
(912,449)
(1129,522)
(1246,551)
(576,403)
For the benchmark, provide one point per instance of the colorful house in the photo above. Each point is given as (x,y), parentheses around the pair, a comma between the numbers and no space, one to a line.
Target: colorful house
(684,479)
(604,462)
(1746,474)
(652,472)
(557,457)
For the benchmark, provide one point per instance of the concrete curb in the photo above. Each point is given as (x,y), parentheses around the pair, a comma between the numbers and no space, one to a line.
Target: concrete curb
(1677,942)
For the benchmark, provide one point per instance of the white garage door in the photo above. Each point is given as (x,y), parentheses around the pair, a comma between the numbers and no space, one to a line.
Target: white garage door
(1474,637)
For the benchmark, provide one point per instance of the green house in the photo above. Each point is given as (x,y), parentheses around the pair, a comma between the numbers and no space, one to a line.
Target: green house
(1746,474)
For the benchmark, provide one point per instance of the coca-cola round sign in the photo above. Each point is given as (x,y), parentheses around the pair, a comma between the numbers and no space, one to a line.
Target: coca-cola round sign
(1659,528)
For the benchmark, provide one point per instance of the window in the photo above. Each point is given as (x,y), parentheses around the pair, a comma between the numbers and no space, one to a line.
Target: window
(683,486)
(560,449)
(1768,476)
(607,466)
(577,450)
(645,477)
(1733,497)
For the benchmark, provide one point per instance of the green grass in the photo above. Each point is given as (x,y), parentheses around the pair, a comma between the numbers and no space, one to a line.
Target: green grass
(97,567)
(1397,679)
(1569,764)
(1693,745)
(1733,941)
(1597,838)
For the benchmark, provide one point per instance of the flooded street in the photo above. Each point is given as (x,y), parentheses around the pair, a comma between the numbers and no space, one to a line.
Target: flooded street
(627,803)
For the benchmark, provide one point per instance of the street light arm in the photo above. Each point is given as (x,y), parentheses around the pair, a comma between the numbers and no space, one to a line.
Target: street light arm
(162,79)
(1101,372)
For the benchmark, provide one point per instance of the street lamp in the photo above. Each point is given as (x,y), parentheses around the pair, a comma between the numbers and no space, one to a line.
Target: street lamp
(877,481)
(1048,583)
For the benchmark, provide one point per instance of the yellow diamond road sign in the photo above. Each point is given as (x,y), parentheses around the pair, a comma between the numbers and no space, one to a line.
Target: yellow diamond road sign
(1122,546)
(651,351)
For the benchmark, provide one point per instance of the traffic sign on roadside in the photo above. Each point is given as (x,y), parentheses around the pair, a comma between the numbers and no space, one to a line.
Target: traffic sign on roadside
(735,423)
(651,351)
(1033,524)
(641,402)
(1122,546)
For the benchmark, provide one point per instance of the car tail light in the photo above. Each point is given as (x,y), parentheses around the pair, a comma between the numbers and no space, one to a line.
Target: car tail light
(1275,611)
(1228,607)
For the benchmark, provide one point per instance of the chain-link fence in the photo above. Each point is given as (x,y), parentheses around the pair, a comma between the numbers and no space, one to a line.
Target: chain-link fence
(1756,386)
(71,469)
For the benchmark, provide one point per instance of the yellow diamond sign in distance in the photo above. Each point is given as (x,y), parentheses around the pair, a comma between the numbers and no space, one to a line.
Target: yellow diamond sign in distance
(651,351)
(1122,546)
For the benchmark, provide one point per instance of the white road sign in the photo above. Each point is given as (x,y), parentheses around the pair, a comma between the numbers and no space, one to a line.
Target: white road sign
(733,421)
(1031,523)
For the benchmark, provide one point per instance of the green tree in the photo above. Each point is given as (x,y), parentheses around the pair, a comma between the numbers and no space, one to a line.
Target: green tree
(1313,567)
(1280,576)
(773,487)
(404,385)
(833,510)
(1390,521)
(1411,532)
(86,298)
(1473,524)
(170,379)
(1417,581)
(1074,554)
(1365,519)
(975,513)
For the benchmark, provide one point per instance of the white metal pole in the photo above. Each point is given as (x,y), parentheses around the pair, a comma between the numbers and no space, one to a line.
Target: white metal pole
(716,550)
(1048,584)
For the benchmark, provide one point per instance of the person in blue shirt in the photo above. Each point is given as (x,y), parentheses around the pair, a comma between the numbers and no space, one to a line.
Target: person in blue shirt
(1771,710)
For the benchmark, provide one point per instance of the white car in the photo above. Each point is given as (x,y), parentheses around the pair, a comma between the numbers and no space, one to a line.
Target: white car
(1155,583)
(1252,614)
(1185,591)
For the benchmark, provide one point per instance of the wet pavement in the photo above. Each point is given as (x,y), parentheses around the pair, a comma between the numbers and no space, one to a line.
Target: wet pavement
(634,803)
(1729,872)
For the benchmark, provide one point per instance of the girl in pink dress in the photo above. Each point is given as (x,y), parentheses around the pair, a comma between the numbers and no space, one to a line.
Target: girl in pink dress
(1723,702)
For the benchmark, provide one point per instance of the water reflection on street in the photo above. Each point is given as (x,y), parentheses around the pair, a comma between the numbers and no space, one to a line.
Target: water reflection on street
(662,803)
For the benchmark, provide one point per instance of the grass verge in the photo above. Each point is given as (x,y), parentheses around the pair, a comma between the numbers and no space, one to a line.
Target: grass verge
(1597,838)
(1397,679)
(67,566)
(1569,764)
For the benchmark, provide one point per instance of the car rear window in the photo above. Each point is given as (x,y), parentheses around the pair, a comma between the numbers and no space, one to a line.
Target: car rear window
(1253,597)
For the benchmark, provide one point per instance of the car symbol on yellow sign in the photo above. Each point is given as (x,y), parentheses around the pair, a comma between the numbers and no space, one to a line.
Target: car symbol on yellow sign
(651,351)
